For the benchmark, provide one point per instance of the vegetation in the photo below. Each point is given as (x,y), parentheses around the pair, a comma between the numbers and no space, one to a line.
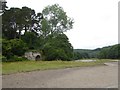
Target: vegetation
(24,30)
(13,47)
(58,48)
(59,22)
(109,52)
(86,53)
(25,66)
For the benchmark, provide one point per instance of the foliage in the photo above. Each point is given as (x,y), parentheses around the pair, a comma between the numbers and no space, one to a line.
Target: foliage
(18,47)
(58,48)
(111,52)
(3,59)
(6,48)
(24,29)
(16,58)
(59,22)
(13,47)
(30,38)
(78,55)
(45,28)
(16,21)
(10,20)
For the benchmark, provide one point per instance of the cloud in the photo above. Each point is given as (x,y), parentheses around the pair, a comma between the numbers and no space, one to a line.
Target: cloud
(96,21)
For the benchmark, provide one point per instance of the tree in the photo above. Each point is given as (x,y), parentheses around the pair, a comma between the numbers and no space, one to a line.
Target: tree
(59,22)
(58,48)
(110,52)
(18,47)
(27,18)
(103,54)
(44,28)
(10,20)
(13,47)
(16,20)
(6,48)
(37,24)
(44,31)
(30,38)
(113,52)
(77,56)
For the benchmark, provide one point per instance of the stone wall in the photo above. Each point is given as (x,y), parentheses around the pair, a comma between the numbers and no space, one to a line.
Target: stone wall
(33,55)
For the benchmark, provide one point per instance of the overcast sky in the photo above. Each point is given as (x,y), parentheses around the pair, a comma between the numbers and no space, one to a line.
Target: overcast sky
(96,21)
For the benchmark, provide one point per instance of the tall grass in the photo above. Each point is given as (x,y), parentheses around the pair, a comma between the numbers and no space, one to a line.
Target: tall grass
(25,66)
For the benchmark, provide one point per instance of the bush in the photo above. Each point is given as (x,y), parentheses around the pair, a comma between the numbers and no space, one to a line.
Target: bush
(13,47)
(6,48)
(15,59)
(3,59)
(58,47)
(18,47)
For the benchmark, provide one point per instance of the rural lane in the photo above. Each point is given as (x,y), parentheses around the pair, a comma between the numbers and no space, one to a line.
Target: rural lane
(105,76)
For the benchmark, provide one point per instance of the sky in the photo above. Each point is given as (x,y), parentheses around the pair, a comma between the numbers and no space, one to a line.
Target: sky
(95,21)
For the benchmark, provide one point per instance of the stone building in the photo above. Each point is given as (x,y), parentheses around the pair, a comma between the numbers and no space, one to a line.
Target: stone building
(33,55)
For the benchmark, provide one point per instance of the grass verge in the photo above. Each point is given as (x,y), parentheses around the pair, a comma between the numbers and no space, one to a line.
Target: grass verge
(26,66)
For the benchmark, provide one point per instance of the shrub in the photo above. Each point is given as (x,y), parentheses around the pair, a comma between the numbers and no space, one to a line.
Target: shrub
(13,47)
(13,59)
(3,59)
(18,47)
(58,48)
(16,58)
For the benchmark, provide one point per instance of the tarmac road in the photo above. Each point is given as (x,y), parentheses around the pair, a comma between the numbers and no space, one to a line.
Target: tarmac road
(105,76)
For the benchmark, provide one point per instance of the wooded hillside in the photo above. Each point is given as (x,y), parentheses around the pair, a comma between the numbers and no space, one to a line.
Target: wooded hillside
(108,52)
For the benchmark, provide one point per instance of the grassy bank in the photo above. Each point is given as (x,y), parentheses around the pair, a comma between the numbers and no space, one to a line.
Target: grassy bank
(25,66)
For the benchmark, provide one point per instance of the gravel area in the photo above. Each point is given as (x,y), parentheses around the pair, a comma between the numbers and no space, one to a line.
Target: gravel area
(105,76)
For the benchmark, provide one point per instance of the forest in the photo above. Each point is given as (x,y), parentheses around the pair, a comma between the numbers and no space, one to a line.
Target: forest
(25,30)
(107,52)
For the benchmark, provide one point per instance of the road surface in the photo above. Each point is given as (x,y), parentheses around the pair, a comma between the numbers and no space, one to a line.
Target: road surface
(105,76)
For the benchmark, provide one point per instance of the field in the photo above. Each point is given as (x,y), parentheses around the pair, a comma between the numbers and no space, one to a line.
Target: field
(27,66)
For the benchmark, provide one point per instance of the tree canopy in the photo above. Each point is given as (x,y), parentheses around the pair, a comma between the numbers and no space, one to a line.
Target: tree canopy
(24,28)
(58,48)
(108,52)
(59,22)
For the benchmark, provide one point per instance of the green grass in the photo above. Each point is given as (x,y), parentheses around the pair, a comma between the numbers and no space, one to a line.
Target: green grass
(26,66)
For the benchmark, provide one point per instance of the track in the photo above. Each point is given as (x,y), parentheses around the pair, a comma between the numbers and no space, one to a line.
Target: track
(105,76)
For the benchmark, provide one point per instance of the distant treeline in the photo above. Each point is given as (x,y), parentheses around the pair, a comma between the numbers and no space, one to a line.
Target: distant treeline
(109,52)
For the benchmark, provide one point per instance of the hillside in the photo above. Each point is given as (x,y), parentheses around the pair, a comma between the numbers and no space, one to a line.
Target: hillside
(105,52)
